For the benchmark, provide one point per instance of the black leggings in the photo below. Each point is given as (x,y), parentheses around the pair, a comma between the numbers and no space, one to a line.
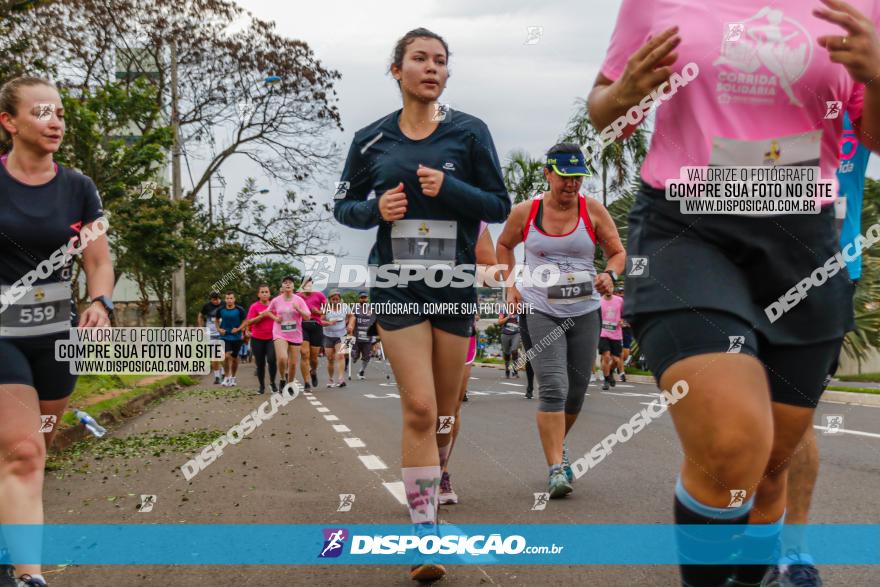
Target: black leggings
(527,344)
(264,350)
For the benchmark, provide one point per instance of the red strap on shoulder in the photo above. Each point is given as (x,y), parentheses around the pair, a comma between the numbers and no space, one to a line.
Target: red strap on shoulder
(532,214)
(585,216)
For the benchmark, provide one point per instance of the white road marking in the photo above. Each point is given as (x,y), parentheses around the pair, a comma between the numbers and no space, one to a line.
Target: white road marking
(513,384)
(475,378)
(354,442)
(322,410)
(341,428)
(397,489)
(331,418)
(372,462)
(845,431)
(314,403)
(386,396)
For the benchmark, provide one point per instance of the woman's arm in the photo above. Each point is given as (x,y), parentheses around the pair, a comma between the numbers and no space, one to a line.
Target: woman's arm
(646,69)
(607,238)
(510,237)
(858,50)
(98,266)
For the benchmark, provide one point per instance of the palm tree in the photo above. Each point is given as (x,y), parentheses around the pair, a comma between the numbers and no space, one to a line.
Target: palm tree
(859,343)
(618,162)
(523,176)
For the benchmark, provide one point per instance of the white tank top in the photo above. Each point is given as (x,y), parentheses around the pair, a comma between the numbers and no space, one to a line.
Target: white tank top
(573,255)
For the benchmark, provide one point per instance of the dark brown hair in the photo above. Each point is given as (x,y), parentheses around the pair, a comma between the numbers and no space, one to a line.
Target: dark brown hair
(9,100)
(407,39)
(262,285)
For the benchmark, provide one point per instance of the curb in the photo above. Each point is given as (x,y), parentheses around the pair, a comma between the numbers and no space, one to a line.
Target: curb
(133,407)
(852,397)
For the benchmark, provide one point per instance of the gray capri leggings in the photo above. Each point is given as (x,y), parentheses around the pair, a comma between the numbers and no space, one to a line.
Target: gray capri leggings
(509,343)
(561,352)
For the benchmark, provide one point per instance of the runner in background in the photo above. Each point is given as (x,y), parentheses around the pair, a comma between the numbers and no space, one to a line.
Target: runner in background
(510,339)
(259,327)
(230,321)
(288,311)
(627,342)
(610,337)
(45,208)
(206,319)
(312,332)
(741,82)
(360,323)
(334,321)
(564,229)
(798,566)
(435,172)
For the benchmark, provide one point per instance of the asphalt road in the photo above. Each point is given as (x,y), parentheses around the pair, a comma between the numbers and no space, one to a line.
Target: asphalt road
(292,469)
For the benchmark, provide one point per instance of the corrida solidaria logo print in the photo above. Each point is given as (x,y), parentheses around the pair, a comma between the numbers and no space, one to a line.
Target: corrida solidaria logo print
(334,542)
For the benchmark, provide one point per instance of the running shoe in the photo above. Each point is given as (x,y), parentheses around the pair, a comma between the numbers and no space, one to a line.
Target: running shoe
(7,576)
(465,398)
(261,391)
(515,374)
(605,385)
(426,572)
(273,387)
(314,379)
(232,382)
(592,377)
(803,575)
(566,464)
(28,581)
(341,384)
(507,374)
(225,382)
(611,380)
(361,375)
(529,394)
(282,383)
(332,384)
(307,387)
(216,380)
(447,494)
(558,484)
(623,377)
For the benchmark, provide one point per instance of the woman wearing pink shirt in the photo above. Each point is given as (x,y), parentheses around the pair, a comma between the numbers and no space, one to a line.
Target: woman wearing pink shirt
(288,311)
(312,332)
(259,328)
(742,84)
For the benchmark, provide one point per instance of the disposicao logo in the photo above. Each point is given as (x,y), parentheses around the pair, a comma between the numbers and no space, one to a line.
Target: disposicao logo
(334,542)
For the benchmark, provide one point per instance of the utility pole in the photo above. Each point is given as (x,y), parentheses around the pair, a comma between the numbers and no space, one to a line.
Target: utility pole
(178,279)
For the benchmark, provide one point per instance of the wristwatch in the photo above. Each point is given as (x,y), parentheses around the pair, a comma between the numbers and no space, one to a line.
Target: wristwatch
(612,274)
(107,303)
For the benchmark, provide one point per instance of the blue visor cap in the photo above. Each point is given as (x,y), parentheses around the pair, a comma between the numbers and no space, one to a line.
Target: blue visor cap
(568,164)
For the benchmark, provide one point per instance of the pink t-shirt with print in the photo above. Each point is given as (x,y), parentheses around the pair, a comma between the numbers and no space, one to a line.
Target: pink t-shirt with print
(612,313)
(290,327)
(762,76)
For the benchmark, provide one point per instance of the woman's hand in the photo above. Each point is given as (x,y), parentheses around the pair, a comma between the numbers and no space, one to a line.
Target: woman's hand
(514,297)
(648,67)
(94,316)
(604,285)
(392,204)
(859,51)
(431,180)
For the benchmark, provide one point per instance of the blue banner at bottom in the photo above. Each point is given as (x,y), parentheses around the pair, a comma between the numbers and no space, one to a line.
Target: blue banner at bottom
(527,544)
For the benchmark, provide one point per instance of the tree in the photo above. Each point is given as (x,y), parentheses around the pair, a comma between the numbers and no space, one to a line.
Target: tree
(523,176)
(616,164)
(221,75)
(859,343)
(14,47)
(99,143)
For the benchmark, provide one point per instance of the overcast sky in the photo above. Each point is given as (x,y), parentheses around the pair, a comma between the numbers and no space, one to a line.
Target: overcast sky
(524,92)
